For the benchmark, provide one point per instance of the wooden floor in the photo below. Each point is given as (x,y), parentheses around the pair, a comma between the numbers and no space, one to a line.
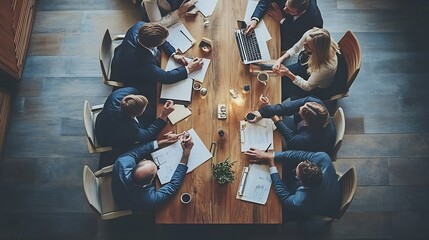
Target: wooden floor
(387,140)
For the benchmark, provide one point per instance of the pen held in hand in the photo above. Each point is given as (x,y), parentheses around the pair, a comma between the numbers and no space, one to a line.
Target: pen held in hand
(266,150)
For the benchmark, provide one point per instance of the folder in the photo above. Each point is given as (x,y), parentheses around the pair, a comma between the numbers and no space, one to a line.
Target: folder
(255,184)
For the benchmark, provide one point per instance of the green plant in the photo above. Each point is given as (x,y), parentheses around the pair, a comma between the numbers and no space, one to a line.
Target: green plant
(223,172)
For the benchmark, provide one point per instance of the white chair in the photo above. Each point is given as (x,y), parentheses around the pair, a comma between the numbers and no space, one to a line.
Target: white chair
(98,192)
(106,56)
(340,126)
(89,117)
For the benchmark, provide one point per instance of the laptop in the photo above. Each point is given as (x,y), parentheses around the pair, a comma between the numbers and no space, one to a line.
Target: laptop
(251,50)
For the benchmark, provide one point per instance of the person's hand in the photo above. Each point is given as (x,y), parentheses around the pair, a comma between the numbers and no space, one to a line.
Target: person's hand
(283,71)
(277,65)
(186,5)
(260,157)
(166,110)
(195,64)
(275,12)
(180,59)
(251,26)
(187,144)
(256,118)
(264,100)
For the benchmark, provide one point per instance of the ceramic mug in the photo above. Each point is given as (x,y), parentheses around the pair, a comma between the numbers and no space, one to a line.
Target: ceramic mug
(185,198)
(263,77)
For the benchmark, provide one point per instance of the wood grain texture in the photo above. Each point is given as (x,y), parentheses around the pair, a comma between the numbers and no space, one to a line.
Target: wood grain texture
(212,202)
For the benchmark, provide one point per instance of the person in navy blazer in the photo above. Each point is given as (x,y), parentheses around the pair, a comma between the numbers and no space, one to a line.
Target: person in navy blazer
(117,124)
(310,184)
(295,19)
(313,129)
(136,61)
(133,185)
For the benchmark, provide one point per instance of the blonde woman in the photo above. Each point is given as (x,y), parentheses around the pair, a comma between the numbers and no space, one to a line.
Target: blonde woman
(314,76)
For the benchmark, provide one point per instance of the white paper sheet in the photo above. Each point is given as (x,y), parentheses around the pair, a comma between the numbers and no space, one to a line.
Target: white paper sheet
(180,112)
(169,157)
(257,135)
(206,7)
(179,37)
(198,75)
(257,184)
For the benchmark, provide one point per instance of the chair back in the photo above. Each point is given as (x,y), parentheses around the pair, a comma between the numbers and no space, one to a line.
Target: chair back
(105,57)
(349,64)
(340,126)
(89,118)
(98,191)
(348,184)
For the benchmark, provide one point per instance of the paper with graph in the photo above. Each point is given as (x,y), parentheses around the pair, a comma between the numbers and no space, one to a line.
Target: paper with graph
(257,184)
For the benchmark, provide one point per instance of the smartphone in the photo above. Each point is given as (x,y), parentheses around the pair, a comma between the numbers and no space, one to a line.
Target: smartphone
(250,116)
(241,24)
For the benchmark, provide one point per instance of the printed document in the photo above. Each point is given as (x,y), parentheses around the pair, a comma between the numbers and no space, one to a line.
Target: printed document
(257,135)
(169,157)
(257,184)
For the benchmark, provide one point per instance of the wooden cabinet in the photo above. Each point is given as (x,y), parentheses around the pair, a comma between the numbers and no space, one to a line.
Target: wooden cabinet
(16,22)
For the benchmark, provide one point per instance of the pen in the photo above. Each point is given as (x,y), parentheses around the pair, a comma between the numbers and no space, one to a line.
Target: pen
(185,35)
(266,150)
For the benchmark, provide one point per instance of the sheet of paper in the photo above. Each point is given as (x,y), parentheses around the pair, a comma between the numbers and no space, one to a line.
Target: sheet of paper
(179,37)
(206,7)
(257,185)
(180,112)
(257,135)
(179,91)
(198,75)
(261,30)
(169,157)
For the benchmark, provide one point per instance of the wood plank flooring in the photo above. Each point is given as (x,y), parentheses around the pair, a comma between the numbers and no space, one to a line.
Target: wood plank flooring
(387,131)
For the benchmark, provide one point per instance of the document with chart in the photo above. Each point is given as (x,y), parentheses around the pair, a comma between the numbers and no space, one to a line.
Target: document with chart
(257,135)
(169,157)
(255,185)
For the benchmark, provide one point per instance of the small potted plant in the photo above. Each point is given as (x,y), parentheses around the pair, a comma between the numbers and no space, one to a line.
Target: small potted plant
(223,172)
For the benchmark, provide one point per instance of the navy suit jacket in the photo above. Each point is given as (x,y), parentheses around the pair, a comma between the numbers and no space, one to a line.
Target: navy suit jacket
(292,31)
(301,202)
(114,128)
(135,65)
(129,196)
(304,138)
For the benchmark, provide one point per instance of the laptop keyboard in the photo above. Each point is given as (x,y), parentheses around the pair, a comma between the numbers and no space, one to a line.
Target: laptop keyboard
(250,45)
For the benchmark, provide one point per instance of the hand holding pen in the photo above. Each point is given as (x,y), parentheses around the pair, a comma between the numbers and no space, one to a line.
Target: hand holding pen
(195,64)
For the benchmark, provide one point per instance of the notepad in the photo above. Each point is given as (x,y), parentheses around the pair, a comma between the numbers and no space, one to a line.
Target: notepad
(197,75)
(256,135)
(255,184)
(169,157)
(179,37)
(179,92)
(180,112)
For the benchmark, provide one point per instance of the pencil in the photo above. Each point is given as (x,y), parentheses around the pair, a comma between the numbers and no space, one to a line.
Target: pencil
(266,150)
(185,35)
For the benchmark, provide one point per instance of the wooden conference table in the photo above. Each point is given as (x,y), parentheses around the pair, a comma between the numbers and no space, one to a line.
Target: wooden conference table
(211,201)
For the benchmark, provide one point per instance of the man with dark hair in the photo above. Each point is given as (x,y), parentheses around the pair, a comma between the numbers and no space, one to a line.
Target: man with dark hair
(136,61)
(311,186)
(313,129)
(295,19)
(122,122)
(133,178)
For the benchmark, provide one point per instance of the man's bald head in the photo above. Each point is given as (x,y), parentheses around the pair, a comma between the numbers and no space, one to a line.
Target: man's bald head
(144,172)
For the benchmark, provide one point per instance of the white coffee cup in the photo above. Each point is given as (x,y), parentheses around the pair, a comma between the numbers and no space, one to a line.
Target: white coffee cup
(197,86)
(185,198)
(263,77)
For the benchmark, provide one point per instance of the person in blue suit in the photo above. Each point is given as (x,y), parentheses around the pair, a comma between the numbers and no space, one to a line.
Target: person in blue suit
(133,178)
(136,61)
(121,122)
(310,184)
(295,19)
(312,128)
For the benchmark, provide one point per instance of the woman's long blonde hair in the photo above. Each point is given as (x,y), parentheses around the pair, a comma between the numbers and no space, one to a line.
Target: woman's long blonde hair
(324,49)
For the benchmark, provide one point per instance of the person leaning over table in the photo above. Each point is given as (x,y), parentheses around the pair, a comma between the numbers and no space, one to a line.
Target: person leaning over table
(314,77)
(136,61)
(313,128)
(133,178)
(154,10)
(121,123)
(310,186)
(297,17)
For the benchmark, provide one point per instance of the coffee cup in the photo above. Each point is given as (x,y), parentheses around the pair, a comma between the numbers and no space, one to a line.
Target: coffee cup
(263,77)
(197,86)
(185,198)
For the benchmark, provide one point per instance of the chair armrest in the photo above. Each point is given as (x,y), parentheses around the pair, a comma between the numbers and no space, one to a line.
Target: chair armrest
(118,37)
(104,170)
(97,107)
